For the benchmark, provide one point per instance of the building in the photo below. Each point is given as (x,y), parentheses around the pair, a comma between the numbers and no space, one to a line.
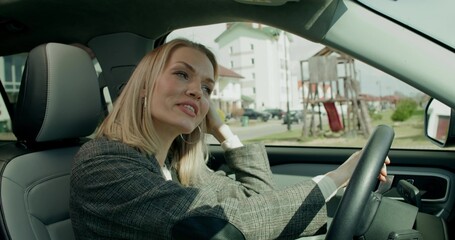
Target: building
(227,92)
(260,54)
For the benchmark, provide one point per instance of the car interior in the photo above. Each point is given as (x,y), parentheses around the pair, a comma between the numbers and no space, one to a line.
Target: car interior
(62,99)
(36,168)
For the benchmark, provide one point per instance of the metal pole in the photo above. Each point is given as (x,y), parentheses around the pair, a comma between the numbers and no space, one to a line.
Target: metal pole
(288,116)
(304,133)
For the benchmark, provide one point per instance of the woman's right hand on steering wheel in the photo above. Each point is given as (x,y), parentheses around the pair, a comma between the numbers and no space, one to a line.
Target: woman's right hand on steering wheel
(343,173)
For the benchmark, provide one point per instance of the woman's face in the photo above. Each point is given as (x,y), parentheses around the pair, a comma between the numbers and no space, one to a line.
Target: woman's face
(182,93)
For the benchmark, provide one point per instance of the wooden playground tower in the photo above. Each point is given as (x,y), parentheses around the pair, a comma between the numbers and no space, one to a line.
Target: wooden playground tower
(328,89)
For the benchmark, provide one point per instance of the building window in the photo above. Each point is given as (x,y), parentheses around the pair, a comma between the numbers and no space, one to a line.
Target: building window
(254,90)
(253,75)
(232,64)
(231,50)
(252,61)
(252,46)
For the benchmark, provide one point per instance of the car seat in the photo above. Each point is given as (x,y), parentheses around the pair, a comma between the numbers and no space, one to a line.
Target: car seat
(58,105)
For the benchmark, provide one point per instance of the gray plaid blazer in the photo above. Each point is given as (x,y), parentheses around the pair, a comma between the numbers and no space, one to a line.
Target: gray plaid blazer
(119,193)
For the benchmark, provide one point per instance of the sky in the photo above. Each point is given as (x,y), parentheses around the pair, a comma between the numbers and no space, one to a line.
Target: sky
(373,81)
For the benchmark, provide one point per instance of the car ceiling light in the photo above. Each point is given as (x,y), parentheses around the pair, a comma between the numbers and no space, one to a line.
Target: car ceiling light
(266,2)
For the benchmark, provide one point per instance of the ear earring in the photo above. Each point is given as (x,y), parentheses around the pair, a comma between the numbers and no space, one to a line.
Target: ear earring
(144,102)
(188,142)
(144,106)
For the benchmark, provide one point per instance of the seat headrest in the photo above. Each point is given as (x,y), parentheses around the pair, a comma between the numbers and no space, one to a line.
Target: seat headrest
(59,97)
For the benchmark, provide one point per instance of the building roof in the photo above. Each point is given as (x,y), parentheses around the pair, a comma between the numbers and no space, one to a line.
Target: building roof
(388,98)
(233,26)
(326,51)
(224,72)
(268,31)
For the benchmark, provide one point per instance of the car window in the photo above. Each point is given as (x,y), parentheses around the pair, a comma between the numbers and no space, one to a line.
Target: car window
(11,68)
(341,99)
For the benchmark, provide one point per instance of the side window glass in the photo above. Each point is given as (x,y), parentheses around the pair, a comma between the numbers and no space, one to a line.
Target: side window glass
(297,92)
(5,123)
(11,68)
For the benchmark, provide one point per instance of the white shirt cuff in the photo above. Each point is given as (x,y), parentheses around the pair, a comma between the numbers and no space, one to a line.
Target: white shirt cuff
(231,143)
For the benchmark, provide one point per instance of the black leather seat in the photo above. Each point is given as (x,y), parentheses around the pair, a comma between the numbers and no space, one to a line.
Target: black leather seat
(58,105)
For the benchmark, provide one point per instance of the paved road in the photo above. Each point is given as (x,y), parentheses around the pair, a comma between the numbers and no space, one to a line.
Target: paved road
(258,129)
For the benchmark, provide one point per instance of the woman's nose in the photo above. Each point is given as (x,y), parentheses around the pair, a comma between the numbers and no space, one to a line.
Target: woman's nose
(194,90)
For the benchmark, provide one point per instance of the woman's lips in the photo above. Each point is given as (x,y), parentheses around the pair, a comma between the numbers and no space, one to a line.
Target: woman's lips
(188,108)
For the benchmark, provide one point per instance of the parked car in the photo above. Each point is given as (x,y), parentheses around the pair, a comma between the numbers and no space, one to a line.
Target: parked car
(295,116)
(410,42)
(254,115)
(276,112)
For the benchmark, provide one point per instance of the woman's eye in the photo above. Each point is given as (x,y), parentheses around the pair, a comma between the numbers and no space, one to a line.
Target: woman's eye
(207,89)
(183,75)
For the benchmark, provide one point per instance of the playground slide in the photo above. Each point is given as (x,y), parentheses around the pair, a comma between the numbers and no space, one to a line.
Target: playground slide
(335,121)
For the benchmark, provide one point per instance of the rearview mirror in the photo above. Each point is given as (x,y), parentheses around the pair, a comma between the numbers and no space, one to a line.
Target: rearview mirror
(439,123)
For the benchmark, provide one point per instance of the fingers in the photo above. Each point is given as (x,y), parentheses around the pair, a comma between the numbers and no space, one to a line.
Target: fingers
(353,160)
(383,173)
(382,178)
(387,160)
(213,119)
(384,170)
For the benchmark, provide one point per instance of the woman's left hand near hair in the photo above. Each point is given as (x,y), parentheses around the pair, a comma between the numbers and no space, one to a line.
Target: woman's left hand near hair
(214,122)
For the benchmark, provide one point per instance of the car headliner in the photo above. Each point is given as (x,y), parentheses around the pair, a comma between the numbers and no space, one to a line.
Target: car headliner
(25,24)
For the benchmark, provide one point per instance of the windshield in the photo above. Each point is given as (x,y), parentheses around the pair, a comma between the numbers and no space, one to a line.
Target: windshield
(433,18)
(307,111)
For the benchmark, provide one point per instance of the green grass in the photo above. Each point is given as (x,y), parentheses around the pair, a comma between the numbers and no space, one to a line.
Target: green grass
(288,136)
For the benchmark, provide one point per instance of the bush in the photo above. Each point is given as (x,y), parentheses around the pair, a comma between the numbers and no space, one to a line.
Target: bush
(404,110)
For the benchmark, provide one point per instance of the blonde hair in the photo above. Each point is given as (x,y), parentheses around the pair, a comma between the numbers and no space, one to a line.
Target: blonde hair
(130,120)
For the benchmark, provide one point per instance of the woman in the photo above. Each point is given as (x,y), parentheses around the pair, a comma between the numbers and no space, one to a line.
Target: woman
(144,176)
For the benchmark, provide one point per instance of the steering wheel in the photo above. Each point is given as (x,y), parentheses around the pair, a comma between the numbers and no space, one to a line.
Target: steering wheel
(361,184)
